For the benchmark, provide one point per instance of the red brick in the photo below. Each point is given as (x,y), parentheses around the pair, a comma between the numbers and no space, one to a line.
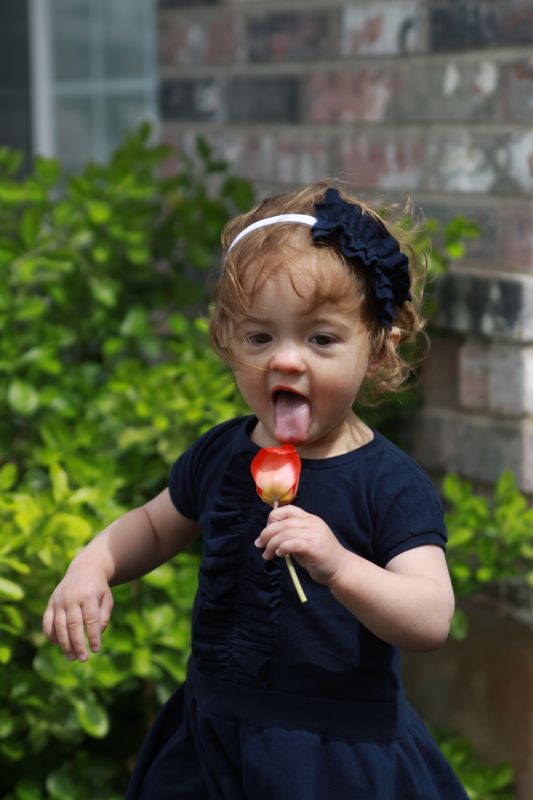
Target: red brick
(190,99)
(520,156)
(472,24)
(382,160)
(511,380)
(517,235)
(284,156)
(266,156)
(362,95)
(292,36)
(440,372)
(517,94)
(451,90)
(395,26)
(474,376)
(198,40)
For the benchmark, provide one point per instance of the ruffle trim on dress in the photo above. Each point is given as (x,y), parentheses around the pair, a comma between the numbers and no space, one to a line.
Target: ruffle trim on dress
(239,593)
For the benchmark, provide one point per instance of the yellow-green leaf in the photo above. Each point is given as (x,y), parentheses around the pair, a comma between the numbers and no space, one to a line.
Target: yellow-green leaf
(9,590)
(8,476)
(92,717)
(59,478)
(22,397)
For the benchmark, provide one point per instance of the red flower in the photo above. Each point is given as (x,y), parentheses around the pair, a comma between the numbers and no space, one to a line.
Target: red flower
(276,472)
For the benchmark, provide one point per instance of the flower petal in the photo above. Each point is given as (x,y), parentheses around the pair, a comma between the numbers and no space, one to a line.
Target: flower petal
(276,472)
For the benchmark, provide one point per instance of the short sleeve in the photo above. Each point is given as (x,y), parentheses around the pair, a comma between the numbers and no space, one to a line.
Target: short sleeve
(182,484)
(412,516)
(194,473)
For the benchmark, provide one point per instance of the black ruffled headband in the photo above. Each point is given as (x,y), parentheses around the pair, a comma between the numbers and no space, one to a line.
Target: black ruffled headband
(359,237)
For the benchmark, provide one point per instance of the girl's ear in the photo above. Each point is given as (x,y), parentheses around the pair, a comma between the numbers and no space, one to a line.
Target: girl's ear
(389,344)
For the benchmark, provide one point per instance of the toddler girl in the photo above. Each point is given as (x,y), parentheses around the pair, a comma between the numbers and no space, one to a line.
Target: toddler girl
(286,701)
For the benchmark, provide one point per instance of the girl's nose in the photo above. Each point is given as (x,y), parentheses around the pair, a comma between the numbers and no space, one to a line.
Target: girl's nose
(287,358)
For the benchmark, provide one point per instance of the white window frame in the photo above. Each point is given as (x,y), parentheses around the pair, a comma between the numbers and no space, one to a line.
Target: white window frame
(44,89)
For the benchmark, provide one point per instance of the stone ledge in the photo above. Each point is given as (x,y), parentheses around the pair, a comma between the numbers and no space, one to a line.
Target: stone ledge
(498,307)
(477,448)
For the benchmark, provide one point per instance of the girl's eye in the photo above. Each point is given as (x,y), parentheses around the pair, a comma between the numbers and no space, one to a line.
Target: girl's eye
(322,339)
(258,338)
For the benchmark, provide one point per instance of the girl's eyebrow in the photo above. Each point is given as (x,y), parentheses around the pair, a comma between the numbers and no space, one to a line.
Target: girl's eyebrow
(256,320)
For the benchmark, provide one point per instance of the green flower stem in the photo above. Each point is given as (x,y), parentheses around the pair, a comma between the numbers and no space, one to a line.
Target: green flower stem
(295,579)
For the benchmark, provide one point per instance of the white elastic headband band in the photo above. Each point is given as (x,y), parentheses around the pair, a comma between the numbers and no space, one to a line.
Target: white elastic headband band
(302,219)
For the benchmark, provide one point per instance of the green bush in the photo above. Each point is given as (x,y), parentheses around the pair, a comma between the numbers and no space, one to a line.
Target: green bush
(481,782)
(490,539)
(105,377)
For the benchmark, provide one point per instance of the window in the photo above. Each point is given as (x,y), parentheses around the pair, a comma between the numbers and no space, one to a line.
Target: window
(94,74)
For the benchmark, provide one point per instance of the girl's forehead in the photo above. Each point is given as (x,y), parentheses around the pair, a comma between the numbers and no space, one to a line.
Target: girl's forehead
(316,275)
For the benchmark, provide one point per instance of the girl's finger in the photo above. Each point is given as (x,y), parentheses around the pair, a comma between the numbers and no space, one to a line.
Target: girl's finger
(275,528)
(298,547)
(62,634)
(76,632)
(91,622)
(48,624)
(286,512)
(298,534)
(106,607)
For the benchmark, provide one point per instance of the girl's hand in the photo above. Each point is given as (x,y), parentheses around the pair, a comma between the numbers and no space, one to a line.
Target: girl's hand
(305,536)
(80,604)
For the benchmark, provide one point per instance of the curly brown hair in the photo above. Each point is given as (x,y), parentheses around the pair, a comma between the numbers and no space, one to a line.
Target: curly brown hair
(259,254)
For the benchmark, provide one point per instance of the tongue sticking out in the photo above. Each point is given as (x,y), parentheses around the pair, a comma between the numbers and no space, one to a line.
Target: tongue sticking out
(292,417)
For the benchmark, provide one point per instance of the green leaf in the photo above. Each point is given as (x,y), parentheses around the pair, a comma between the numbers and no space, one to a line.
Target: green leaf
(17,566)
(60,487)
(72,526)
(92,717)
(98,211)
(5,656)
(203,148)
(459,626)
(104,293)
(142,662)
(22,397)
(459,536)
(135,323)
(27,790)
(61,786)
(47,168)
(461,572)
(485,574)
(9,590)
(12,750)
(13,617)
(30,224)
(8,476)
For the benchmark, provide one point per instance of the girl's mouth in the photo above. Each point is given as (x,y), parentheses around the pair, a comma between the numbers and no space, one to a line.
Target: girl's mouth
(292,416)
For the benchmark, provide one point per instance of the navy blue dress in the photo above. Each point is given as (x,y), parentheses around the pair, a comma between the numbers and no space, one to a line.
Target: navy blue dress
(284,700)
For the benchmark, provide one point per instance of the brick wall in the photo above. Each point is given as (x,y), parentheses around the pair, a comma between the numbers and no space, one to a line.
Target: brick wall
(430,97)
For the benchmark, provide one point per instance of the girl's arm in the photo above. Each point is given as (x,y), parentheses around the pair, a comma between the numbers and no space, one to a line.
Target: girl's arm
(133,545)
(408,603)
